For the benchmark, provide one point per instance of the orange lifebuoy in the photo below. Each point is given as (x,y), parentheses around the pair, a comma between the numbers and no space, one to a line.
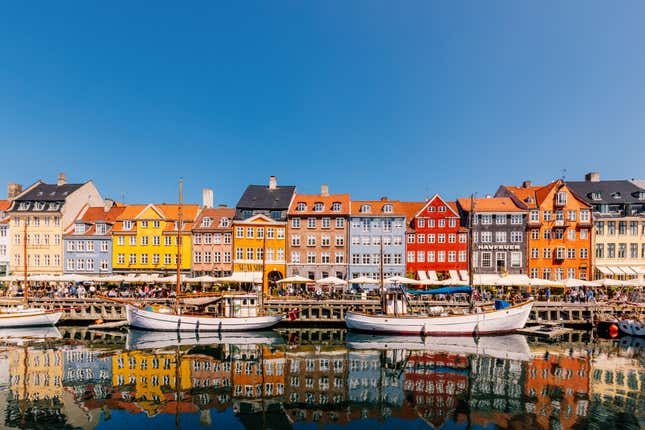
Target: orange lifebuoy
(613,330)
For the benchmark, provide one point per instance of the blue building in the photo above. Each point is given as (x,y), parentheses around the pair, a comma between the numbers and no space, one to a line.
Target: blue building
(87,243)
(377,237)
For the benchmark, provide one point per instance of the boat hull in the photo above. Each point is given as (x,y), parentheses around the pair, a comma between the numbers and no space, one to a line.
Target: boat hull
(28,318)
(500,321)
(150,320)
(140,339)
(632,327)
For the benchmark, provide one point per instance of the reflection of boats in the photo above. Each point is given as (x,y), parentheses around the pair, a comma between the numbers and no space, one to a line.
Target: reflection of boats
(632,327)
(142,339)
(28,317)
(630,345)
(503,320)
(22,334)
(512,346)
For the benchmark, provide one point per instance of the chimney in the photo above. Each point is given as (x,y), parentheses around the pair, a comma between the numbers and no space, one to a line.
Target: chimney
(61,179)
(324,190)
(207,197)
(592,177)
(384,199)
(526,184)
(223,205)
(13,190)
(108,205)
(273,182)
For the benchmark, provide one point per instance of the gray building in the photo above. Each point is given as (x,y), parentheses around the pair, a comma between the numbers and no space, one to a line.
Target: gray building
(499,227)
(272,201)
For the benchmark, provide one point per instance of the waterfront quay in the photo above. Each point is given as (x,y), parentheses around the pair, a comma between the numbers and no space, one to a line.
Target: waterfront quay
(332,311)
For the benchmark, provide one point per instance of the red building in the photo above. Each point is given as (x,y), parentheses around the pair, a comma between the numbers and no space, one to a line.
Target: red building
(436,244)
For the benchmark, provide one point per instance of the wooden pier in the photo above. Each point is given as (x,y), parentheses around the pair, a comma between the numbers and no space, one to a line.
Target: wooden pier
(323,312)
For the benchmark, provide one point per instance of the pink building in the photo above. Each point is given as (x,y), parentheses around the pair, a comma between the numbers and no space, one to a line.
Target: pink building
(213,242)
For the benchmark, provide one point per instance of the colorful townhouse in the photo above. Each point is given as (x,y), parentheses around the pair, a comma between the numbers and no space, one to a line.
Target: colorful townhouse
(377,239)
(213,241)
(618,209)
(144,238)
(259,238)
(559,230)
(498,233)
(317,234)
(436,243)
(87,243)
(42,213)
(5,237)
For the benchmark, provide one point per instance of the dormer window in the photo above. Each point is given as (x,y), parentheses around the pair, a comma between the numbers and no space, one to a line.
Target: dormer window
(301,207)
(336,207)
(640,195)
(224,222)
(561,198)
(616,195)
(596,196)
(54,206)
(207,221)
(101,228)
(79,228)
(431,208)
(387,209)
(127,225)
(39,206)
(365,209)
(23,206)
(318,207)
(529,199)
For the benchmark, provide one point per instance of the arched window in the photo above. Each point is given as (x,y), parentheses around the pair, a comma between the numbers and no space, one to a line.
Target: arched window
(318,207)
(302,206)
(365,209)
(387,208)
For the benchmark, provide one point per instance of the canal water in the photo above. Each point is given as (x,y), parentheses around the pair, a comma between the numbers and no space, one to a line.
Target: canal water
(72,378)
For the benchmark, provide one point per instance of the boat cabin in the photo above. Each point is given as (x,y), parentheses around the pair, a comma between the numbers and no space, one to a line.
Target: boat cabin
(240,306)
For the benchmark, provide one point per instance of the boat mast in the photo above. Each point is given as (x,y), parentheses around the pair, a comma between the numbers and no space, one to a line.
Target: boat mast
(179,225)
(383,296)
(264,257)
(25,288)
(471,247)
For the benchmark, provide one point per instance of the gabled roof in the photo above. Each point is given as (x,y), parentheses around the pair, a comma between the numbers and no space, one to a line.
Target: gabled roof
(97,214)
(215,214)
(490,204)
(626,191)
(534,196)
(262,197)
(261,217)
(4,205)
(452,207)
(328,200)
(47,192)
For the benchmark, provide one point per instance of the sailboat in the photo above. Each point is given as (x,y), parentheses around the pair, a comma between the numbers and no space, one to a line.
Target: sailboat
(396,318)
(241,313)
(24,315)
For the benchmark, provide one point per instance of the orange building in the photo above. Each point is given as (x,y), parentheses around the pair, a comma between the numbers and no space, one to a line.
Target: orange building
(559,230)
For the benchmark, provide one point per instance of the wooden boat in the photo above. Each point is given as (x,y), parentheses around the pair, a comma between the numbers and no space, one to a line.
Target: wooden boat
(477,322)
(27,317)
(164,318)
(510,346)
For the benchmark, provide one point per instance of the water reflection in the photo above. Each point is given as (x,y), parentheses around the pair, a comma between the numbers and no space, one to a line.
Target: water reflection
(261,380)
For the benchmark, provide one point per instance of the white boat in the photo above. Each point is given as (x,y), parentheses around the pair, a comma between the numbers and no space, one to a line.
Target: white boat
(632,327)
(510,346)
(163,318)
(144,339)
(20,335)
(19,316)
(506,320)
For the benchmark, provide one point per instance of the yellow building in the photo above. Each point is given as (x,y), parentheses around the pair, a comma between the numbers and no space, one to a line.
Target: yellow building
(145,238)
(149,377)
(43,377)
(259,244)
(40,214)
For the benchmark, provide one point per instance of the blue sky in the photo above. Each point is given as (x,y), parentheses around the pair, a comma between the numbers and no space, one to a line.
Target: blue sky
(375,98)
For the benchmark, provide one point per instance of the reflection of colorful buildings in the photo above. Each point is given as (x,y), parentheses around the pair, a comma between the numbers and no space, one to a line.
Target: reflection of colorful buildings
(435,381)
(558,385)
(618,383)
(258,372)
(42,379)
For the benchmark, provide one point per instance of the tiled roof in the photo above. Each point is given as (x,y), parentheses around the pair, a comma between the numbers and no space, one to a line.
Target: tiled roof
(92,215)
(216,214)
(534,196)
(311,199)
(525,194)
(261,197)
(48,192)
(398,208)
(610,192)
(4,205)
(168,212)
(490,204)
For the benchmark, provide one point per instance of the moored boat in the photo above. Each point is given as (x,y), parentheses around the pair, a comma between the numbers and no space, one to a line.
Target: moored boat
(632,327)
(28,317)
(477,322)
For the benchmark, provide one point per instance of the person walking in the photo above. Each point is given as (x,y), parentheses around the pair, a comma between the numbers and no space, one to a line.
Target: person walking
(548,294)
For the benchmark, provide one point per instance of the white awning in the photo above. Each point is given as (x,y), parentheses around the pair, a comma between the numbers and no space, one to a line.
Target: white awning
(432,275)
(616,270)
(604,270)
(422,275)
(242,277)
(500,280)
(464,275)
(628,270)
(639,269)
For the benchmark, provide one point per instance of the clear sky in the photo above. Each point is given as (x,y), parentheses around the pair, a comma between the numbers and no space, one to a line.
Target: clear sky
(375,98)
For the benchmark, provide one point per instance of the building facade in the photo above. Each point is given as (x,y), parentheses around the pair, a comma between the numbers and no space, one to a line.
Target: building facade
(619,219)
(87,243)
(42,213)
(144,238)
(5,237)
(259,226)
(317,235)
(559,230)
(377,235)
(436,240)
(498,234)
(213,242)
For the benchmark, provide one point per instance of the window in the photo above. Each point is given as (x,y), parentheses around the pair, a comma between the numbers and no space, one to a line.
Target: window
(571,253)
(486,236)
(121,259)
(295,257)
(127,225)
(411,257)
(167,240)
(611,250)
(584,253)
(571,215)
(340,240)
(462,256)
(611,227)
(239,253)
(547,215)
(421,238)
(133,258)
(239,232)
(167,258)
(535,253)
(561,198)
(442,223)
(301,207)
(325,240)
(421,256)
(486,260)
(144,224)
(500,219)
(500,236)
(534,215)
(584,234)
(622,250)
(270,233)
(516,219)
(431,238)
(250,232)
(311,240)
(144,258)
(546,253)
(546,273)
(452,256)
(622,227)
(365,209)
(441,238)
(325,258)
(486,219)
(295,240)
(340,222)
(104,246)
(516,259)
(326,223)
(431,257)
(340,258)
(311,258)
(452,238)
(197,257)
(547,234)
(155,259)
(295,222)
(144,240)
(411,238)
(227,238)
(430,223)
(387,208)
(571,234)
(516,236)
(319,207)
(336,207)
